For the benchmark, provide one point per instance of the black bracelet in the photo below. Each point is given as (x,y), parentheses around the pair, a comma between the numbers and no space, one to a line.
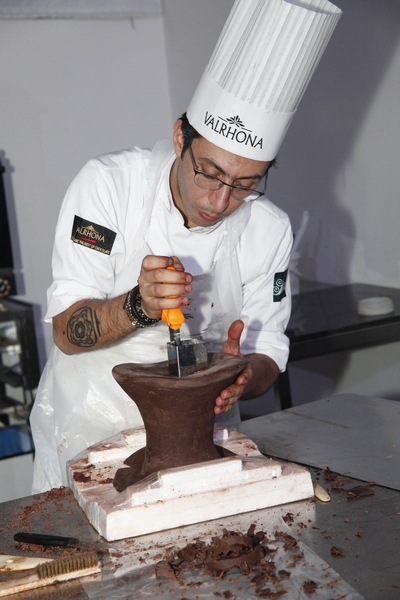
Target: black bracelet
(133,308)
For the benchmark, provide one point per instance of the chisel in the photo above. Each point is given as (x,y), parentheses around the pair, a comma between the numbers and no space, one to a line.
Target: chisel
(184,356)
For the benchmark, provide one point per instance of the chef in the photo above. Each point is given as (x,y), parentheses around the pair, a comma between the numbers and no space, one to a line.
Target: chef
(195,203)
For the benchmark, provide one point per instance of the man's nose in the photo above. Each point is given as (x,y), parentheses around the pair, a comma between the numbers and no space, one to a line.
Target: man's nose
(220,198)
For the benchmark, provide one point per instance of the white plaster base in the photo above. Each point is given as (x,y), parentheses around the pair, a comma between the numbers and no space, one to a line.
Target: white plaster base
(172,498)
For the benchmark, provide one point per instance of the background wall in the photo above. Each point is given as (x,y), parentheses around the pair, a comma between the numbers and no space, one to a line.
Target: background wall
(70,90)
(340,162)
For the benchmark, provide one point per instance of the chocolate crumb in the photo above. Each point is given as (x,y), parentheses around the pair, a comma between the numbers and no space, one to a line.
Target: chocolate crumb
(329,475)
(288,518)
(310,586)
(284,574)
(268,593)
(164,569)
(335,551)
(81,477)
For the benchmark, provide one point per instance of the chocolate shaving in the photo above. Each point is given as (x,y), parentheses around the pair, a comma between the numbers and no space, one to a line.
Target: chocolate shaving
(164,569)
(339,482)
(329,475)
(359,491)
(81,477)
(283,573)
(335,551)
(288,518)
(310,586)
(297,556)
(268,593)
(290,543)
(251,558)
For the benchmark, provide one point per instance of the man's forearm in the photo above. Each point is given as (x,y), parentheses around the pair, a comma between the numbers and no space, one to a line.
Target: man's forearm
(265,371)
(91,324)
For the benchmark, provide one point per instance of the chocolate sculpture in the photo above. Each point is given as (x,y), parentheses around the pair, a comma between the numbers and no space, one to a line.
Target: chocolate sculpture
(178,414)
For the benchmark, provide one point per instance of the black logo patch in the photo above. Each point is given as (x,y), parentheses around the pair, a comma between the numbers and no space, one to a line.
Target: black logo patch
(92,235)
(279,291)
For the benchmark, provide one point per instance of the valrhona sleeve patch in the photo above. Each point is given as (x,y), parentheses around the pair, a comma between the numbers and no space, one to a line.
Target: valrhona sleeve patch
(280,286)
(92,235)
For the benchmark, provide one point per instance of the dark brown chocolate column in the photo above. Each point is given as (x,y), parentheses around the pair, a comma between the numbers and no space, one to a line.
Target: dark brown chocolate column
(178,414)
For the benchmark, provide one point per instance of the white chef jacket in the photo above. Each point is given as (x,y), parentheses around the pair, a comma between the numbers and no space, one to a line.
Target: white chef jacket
(124,201)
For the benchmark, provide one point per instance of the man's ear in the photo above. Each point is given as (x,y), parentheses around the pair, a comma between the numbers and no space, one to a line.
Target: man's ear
(178,137)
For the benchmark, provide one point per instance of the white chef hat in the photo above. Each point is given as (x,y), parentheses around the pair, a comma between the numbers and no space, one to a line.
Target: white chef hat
(258,73)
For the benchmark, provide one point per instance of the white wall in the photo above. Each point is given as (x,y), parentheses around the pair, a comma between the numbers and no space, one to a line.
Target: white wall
(340,161)
(70,90)
(340,157)
(192,29)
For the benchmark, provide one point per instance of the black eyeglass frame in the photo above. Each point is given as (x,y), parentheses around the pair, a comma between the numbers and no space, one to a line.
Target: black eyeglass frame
(253,193)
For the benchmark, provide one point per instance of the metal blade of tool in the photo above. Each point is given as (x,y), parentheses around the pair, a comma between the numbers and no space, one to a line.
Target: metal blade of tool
(187,357)
(184,356)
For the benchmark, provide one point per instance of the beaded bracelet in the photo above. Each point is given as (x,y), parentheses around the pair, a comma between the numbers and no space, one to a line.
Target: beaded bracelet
(134,311)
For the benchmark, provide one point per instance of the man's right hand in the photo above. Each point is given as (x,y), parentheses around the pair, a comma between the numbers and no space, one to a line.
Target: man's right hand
(162,287)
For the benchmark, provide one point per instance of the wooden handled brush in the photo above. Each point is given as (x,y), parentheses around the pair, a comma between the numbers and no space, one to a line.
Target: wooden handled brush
(18,573)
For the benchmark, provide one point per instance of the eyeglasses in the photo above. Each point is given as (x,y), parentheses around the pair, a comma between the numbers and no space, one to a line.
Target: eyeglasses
(210,183)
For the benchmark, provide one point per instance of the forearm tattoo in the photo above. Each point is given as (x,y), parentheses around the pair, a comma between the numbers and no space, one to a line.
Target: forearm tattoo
(83,327)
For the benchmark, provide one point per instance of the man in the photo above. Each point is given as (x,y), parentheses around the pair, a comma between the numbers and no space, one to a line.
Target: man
(193,204)
(161,288)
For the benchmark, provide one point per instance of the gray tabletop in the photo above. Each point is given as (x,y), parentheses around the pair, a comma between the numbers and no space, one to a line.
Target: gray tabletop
(354,435)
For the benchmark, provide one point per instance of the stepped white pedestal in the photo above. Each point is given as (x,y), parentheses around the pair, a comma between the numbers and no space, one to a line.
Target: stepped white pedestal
(172,498)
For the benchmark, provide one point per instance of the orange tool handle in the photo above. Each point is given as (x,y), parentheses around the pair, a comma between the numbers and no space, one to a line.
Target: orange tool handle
(173,317)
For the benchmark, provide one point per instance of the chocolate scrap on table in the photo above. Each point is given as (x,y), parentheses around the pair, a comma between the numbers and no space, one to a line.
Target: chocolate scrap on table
(335,551)
(359,492)
(244,561)
(358,534)
(268,593)
(310,586)
(81,477)
(283,573)
(164,569)
(231,550)
(290,542)
(288,518)
(339,482)
(329,475)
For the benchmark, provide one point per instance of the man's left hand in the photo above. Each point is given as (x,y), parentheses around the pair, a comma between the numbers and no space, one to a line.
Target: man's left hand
(231,394)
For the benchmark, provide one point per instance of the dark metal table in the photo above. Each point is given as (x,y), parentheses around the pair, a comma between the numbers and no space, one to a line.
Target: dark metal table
(325,320)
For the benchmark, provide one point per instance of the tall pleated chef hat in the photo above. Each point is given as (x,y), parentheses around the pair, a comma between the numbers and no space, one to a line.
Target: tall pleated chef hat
(258,73)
